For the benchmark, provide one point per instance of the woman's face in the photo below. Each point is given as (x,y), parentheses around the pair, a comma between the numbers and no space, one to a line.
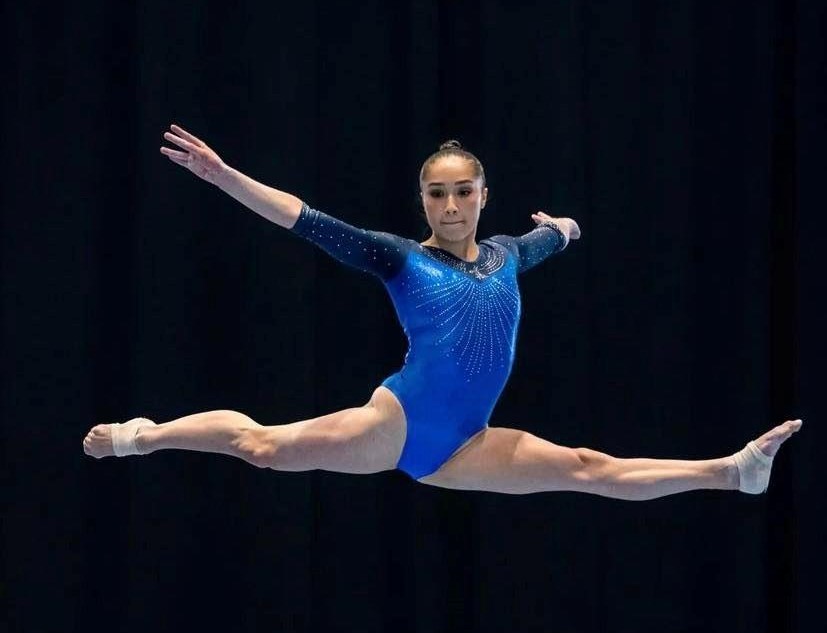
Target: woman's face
(453,198)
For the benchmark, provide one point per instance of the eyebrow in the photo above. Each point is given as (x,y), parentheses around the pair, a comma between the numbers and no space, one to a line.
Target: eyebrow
(458,182)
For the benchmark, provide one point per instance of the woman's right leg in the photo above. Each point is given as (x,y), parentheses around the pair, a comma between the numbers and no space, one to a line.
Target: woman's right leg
(363,439)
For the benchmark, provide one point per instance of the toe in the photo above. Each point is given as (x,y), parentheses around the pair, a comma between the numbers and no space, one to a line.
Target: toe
(790,427)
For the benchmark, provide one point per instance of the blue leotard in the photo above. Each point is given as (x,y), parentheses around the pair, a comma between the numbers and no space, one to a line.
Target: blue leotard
(460,318)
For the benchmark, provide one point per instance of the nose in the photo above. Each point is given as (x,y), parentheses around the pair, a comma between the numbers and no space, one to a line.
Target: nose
(450,205)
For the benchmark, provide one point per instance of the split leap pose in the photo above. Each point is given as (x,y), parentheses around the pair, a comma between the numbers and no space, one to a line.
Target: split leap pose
(459,305)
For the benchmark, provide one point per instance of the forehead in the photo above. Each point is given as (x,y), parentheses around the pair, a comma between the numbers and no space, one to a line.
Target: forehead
(449,169)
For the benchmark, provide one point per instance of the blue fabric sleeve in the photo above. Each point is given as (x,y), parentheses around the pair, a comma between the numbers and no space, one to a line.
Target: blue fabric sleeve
(532,248)
(382,254)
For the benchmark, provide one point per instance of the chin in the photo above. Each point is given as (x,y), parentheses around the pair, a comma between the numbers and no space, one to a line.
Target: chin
(458,234)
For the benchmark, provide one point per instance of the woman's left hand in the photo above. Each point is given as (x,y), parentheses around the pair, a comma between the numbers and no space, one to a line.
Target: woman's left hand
(567,225)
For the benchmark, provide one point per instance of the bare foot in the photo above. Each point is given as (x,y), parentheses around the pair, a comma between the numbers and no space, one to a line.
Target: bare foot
(771,441)
(98,442)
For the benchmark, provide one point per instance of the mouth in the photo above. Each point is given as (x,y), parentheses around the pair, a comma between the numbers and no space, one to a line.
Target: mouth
(451,223)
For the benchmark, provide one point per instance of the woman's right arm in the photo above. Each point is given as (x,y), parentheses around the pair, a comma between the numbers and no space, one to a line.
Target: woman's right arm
(382,254)
(277,206)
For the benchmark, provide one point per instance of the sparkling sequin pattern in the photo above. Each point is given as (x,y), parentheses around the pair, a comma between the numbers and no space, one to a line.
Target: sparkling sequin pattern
(460,318)
(473,313)
(486,264)
(371,251)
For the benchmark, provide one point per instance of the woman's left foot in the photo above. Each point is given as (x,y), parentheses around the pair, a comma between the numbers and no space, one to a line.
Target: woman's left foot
(771,441)
(754,461)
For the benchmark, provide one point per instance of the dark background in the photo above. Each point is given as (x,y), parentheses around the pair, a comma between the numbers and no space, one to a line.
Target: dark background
(686,139)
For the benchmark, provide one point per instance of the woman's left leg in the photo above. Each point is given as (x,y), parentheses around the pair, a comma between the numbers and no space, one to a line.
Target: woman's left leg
(516,462)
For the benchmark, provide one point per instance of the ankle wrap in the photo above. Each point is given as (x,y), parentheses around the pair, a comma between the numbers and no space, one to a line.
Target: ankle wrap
(123,436)
(753,469)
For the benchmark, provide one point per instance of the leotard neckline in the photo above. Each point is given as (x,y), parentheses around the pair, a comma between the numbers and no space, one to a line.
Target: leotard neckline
(489,259)
(451,255)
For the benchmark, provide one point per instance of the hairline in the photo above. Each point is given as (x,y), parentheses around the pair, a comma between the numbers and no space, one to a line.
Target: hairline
(457,152)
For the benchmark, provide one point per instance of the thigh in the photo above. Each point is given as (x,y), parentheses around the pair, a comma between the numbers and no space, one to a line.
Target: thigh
(511,461)
(360,440)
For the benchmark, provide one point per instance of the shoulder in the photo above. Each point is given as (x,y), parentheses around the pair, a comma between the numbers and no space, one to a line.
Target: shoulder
(377,252)
(533,247)
(502,242)
(316,223)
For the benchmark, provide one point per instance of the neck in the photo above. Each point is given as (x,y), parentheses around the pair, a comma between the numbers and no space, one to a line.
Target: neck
(465,249)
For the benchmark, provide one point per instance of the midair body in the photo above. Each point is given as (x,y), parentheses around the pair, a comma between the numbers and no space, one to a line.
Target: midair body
(373,437)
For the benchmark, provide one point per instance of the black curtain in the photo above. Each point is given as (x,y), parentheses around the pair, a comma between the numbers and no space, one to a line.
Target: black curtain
(684,137)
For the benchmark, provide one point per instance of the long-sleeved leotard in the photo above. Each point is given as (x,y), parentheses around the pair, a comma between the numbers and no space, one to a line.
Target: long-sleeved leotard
(460,318)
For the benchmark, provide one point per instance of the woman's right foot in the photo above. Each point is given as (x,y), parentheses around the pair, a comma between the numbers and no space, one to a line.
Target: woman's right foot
(106,440)
(98,442)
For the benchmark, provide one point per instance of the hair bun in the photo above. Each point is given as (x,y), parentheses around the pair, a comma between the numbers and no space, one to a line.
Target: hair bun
(451,144)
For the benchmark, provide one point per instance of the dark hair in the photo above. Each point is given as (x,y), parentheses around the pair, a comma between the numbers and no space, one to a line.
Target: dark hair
(453,147)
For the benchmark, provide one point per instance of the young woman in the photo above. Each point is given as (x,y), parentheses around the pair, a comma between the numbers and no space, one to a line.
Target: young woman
(458,302)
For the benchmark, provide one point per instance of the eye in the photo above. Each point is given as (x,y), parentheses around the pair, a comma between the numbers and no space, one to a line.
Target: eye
(466,192)
(436,193)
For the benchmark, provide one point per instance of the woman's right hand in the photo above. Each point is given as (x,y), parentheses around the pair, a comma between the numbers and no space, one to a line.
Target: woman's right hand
(197,156)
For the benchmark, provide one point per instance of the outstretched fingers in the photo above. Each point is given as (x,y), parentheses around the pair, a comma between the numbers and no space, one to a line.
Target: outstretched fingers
(184,140)
(190,137)
(174,154)
(179,158)
(181,142)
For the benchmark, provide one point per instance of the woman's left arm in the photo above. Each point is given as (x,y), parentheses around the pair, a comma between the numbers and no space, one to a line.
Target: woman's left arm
(550,236)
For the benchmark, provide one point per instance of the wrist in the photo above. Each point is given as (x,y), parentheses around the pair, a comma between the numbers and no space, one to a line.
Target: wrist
(225,177)
(557,223)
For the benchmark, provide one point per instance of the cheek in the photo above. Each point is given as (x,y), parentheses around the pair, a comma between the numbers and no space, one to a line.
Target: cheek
(473,201)
(430,207)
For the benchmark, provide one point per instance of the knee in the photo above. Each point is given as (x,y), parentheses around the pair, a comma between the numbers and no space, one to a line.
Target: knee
(254,445)
(593,466)
(249,440)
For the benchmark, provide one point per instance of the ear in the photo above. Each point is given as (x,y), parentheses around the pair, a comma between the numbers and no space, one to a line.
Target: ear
(484,197)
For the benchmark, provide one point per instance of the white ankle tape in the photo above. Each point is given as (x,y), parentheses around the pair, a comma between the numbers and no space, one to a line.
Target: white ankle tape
(123,436)
(753,469)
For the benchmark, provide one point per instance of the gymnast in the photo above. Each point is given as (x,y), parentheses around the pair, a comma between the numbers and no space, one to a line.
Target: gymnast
(459,305)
